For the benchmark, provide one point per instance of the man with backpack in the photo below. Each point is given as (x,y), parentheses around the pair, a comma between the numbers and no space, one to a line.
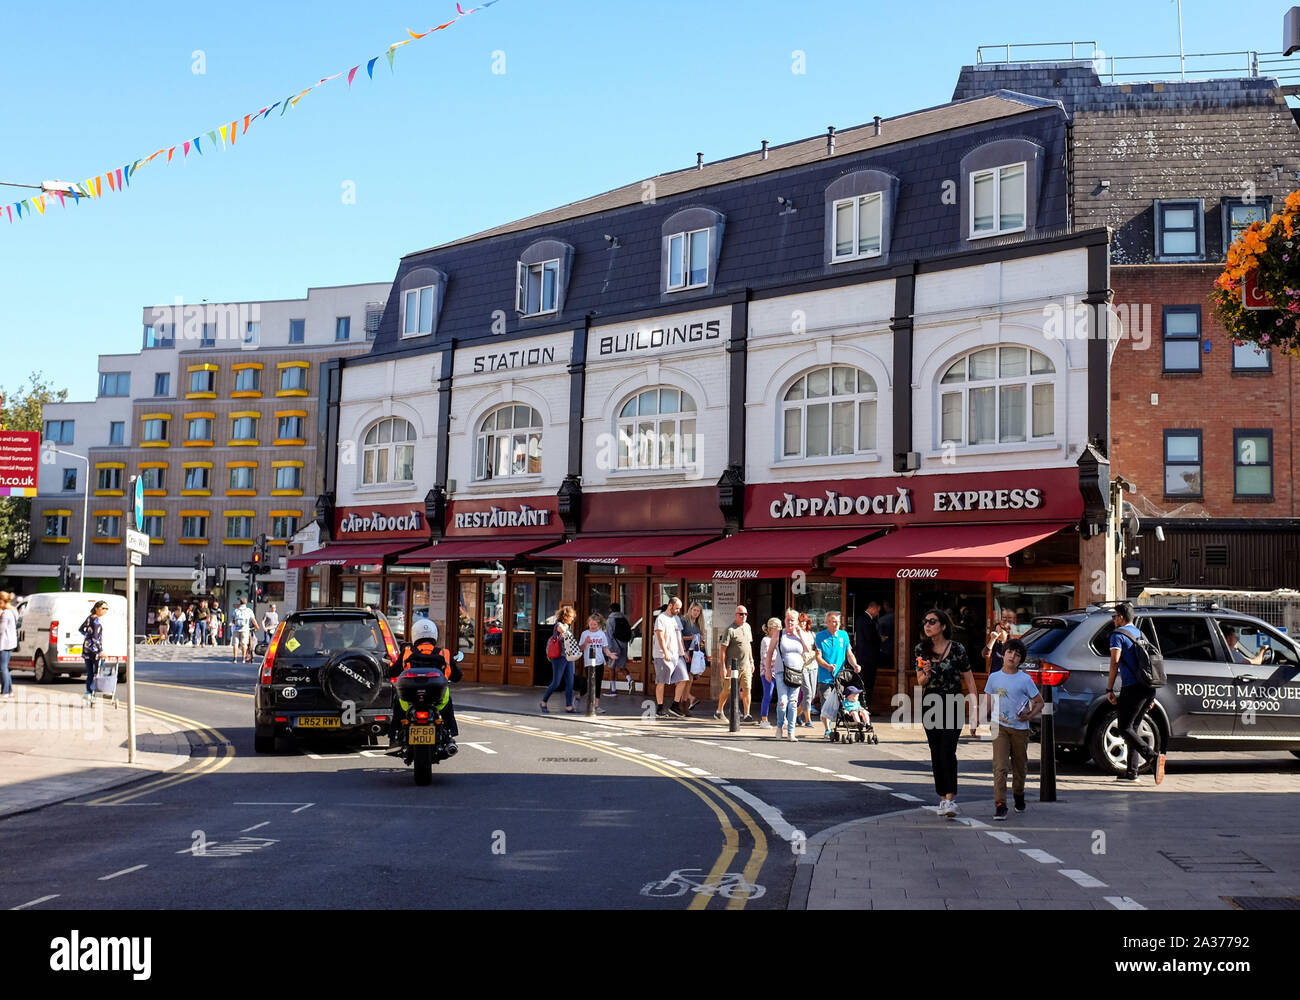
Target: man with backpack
(1131,658)
(619,632)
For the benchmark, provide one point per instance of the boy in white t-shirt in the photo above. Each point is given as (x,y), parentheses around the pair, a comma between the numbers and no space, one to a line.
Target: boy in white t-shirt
(596,638)
(1015,700)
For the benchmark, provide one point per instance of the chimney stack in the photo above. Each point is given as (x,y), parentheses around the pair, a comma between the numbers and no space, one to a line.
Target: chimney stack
(699,161)
(765,149)
(830,139)
(877,121)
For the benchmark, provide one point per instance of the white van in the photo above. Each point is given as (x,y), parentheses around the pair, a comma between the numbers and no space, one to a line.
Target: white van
(49,636)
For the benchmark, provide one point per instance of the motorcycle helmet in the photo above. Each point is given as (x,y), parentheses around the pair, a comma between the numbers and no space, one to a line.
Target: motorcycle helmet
(424,629)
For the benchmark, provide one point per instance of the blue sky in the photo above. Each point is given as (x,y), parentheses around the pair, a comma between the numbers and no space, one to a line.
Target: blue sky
(594,94)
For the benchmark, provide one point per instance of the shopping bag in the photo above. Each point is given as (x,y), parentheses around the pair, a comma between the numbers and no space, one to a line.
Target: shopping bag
(106,680)
(698,663)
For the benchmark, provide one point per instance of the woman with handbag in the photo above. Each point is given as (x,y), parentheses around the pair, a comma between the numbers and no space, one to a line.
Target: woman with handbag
(770,631)
(784,661)
(562,650)
(808,686)
(693,644)
(92,646)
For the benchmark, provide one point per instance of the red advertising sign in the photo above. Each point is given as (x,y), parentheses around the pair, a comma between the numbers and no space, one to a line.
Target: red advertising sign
(1252,296)
(20,457)
(382,521)
(1017,495)
(504,516)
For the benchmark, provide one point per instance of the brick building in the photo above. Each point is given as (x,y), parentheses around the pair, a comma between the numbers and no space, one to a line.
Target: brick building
(1204,431)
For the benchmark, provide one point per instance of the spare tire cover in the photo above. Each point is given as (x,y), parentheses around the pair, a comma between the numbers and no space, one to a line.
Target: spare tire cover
(352,676)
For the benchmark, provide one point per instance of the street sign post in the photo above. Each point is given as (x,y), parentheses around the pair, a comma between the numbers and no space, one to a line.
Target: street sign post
(137,547)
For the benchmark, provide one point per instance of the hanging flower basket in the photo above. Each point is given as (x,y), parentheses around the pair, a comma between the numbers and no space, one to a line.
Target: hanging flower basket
(1266,257)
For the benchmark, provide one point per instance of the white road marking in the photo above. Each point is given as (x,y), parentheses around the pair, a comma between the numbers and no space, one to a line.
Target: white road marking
(848,777)
(877,787)
(1124,903)
(35,902)
(707,743)
(974,823)
(698,770)
(1082,878)
(520,725)
(652,756)
(124,871)
(604,743)
(256,826)
(676,763)
(716,780)
(1006,838)
(905,797)
(765,756)
(1042,857)
(629,749)
(796,763)
(275,804)
(302,807)
(378,753)
(551,732)
(327,756)
(823,770)
(770,813)
(480,746)
(723,746)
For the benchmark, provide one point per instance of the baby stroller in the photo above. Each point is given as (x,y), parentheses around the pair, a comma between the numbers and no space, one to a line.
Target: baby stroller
(847,730)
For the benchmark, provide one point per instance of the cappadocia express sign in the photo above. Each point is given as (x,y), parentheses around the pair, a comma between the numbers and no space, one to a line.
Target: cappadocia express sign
(380,521)
(1015,495)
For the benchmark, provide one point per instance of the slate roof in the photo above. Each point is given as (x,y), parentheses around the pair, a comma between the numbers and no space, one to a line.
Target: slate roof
(987,107)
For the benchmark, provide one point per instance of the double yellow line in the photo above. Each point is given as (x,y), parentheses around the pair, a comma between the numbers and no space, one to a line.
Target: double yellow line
(220,753)
(706,791)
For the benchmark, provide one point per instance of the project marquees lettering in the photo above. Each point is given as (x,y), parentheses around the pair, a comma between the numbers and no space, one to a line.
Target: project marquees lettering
(666,336)
(834,504)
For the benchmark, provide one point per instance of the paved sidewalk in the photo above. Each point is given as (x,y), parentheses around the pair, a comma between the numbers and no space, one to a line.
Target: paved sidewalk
(52,748)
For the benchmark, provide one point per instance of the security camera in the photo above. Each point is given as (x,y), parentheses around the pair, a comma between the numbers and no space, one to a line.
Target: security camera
(1160,533)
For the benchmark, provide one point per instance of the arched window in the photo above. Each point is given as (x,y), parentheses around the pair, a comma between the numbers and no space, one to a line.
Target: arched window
(998,395)
(509,443)
(388,452)
(829,411)
(656,430)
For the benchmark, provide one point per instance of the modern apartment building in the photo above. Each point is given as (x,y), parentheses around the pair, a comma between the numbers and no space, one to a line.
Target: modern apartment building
(217,411)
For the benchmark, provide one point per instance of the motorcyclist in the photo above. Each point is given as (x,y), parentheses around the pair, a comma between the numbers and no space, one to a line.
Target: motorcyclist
(422,652)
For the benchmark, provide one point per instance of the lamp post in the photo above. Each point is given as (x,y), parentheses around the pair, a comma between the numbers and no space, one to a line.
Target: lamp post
(85,506)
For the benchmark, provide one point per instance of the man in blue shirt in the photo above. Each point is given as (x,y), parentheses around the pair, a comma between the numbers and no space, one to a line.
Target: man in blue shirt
(832,649)
(1134,696)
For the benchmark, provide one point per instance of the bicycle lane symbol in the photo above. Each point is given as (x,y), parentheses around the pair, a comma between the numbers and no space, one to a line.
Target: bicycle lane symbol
(731,885)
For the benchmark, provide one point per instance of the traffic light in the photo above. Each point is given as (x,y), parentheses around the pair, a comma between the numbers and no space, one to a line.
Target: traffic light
(255,564)
(219,577)
(199,576)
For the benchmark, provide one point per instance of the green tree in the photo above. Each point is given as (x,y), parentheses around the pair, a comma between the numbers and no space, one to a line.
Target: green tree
(21,410)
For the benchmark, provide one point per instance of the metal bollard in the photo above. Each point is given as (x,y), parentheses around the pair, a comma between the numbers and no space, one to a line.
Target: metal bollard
(1047,761)
(592,688)
(734,725)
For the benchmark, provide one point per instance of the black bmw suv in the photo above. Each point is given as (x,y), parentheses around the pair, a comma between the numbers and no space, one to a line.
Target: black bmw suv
(1215,698)
(325,674)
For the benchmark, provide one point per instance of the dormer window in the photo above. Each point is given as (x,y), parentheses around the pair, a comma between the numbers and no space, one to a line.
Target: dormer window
(857,227)
(998,200)
(688,260)
(537,288)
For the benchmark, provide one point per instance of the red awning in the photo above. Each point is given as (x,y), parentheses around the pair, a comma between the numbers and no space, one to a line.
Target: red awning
(623,550)
(950,552)
(764,553)
(350,554)
(475,550)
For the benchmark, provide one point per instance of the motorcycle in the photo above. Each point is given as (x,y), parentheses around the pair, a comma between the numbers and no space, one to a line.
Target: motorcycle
(424,739)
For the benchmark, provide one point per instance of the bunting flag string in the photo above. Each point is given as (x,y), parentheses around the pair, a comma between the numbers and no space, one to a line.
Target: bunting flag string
(119,178)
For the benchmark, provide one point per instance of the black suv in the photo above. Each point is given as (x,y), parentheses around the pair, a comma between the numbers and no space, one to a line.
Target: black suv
(325,673)
(1214,699)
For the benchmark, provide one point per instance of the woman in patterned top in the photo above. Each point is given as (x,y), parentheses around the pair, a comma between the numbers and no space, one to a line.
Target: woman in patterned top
(943,669)
(92,646)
